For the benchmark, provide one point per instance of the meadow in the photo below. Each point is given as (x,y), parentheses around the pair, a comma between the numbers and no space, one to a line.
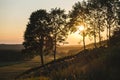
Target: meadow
(92,64)
(73,63)
(12,63)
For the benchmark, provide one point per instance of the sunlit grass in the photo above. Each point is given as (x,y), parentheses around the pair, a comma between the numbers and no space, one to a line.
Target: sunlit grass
(101,64)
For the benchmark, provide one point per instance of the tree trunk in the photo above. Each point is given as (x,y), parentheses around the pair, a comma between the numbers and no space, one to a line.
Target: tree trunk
(107,37)
(55,50)
(99,28)
(84,40)
(109,31)
(55,45)
(42,60)
(41,50)
(99,37)
(94,38)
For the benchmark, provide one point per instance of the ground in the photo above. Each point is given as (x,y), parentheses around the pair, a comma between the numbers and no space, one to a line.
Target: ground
(9,70)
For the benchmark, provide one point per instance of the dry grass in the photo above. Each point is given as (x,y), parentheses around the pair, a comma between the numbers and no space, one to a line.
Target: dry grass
(9,72)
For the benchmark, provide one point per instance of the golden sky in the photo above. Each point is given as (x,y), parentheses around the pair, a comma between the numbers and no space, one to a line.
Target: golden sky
(14,15)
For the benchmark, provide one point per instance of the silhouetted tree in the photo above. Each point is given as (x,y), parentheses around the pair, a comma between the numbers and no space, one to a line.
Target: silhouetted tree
(110,18)
(37,34)
(117,10)
(106,15)
(97,18)
(79,15)
(115,38)
(92,29)
(59,29)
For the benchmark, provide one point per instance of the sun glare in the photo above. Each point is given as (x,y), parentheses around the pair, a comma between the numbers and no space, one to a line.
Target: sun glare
(80,28)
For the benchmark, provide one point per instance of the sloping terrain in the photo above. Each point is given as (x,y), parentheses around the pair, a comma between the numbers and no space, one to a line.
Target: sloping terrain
(11,64)
(94,64)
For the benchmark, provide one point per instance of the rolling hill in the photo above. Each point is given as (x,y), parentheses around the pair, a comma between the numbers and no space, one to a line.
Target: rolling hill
(92,64)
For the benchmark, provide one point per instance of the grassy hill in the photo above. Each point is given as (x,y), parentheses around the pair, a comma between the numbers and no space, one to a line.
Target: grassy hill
(11,64)
(73,64)
(92,64)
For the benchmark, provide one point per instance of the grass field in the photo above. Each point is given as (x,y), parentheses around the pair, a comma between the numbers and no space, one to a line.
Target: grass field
(10,68)
(92,64)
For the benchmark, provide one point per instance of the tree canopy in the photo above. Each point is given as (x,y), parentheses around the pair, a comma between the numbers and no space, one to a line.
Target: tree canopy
(46,29)
(58,24)
(37,34)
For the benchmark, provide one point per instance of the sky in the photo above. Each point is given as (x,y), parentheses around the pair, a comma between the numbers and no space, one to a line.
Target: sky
(14,16)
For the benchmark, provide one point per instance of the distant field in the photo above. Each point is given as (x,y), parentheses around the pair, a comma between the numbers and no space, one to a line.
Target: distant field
(11,47)
(10,54)
(11,65)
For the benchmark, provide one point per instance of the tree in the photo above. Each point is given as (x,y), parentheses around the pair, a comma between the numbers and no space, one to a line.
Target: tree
(37,34)
(110,17)
(106,15)
(92,29)
(58,24)
(115,38)
(79,15)
(117,10)
(97,19)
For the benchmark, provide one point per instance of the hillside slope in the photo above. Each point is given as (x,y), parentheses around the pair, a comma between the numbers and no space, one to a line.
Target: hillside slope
(95,64)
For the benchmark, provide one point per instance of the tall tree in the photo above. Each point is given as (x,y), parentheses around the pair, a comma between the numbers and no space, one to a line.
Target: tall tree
(79,16)
(37,34)
(110,18)
(97,17)
(58,24)
(115,39)
(105,11)
(117,11)
(92,29)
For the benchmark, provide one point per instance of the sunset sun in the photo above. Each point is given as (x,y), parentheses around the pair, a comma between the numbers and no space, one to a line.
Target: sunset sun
(78,32)
(81,28)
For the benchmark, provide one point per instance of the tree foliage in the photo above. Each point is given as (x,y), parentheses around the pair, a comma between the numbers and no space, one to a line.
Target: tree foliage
(37,33)
(45,30)
(58,24)
(115,38)
(96,16)
(79,15)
